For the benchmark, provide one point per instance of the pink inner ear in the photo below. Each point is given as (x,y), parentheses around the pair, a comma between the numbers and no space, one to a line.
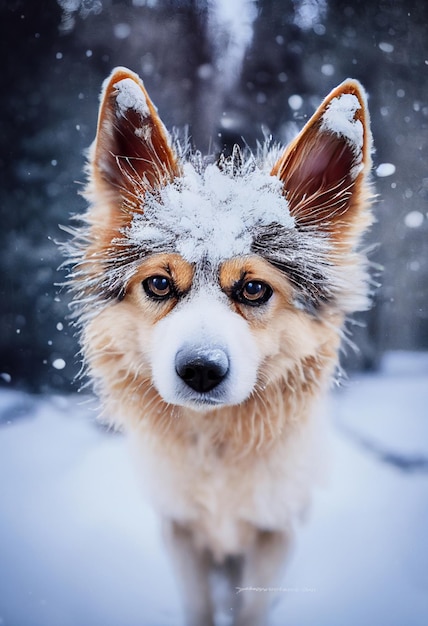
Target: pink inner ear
(326,163)
(136,154)
(319,179)
(323,170)
(127,152)
(132,149)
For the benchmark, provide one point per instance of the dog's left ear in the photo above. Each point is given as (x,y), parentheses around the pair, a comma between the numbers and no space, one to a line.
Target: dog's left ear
(325,167)
(132,151)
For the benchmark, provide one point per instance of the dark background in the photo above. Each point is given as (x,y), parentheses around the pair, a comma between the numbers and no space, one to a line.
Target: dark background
(229,69)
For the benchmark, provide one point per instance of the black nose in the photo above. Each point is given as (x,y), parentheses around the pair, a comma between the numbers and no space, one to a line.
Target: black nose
(202,369)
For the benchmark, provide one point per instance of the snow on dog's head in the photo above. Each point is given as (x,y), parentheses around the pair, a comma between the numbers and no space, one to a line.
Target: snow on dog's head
(210,214)
(203,283)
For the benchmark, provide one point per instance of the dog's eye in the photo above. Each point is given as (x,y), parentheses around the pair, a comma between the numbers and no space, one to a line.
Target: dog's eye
(158,287)
(254,292)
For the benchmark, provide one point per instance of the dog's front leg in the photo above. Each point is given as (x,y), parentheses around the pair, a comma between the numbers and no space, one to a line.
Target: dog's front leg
(192,567)
(261,573)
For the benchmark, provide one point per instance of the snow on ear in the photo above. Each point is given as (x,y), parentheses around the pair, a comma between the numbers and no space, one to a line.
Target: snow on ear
(324,169)
(131,152)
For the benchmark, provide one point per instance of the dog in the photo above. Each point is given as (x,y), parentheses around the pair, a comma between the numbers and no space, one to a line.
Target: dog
(212,297)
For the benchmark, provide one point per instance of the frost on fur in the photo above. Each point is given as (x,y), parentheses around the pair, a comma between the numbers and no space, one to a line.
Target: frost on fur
(212,298)
(210,214)
(130,97)
(339,118)
(304,215)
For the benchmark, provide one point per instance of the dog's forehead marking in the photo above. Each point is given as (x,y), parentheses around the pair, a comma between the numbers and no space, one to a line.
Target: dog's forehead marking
(210,214)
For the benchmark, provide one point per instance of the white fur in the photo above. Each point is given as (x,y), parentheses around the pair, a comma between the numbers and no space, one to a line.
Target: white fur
(203,322)
(225,500)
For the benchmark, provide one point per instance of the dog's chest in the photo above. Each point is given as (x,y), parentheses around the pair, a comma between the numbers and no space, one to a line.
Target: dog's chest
(224,498)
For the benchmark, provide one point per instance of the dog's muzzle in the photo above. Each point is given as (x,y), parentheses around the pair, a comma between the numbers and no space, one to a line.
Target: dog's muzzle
(204,355)
(202,369)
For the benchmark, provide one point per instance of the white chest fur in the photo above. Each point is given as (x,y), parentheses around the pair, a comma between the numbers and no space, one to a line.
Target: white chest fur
(224,499)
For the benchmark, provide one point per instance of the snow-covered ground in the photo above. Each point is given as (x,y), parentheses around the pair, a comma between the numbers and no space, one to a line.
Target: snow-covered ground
(79,547)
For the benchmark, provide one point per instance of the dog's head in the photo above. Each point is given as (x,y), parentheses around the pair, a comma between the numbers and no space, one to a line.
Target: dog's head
(209,281)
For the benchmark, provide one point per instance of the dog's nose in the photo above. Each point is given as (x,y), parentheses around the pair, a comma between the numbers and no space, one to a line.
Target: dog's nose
(202,369)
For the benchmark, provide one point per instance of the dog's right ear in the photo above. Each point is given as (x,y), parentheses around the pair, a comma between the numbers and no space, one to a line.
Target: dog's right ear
(324,170)
(132,152)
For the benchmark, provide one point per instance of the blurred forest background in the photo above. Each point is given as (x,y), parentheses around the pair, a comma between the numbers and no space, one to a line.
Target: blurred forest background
(230,69)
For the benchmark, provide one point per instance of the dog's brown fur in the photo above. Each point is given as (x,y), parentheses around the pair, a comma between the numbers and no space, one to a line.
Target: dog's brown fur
(232,480)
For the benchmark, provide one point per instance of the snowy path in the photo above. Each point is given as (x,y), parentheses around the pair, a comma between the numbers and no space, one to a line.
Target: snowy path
(78,547)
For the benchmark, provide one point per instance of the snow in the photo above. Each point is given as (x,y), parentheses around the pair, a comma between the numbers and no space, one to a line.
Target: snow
(130,96)
(339,118)
(121,30)
(295,102)
(59,364)
(230,30)
(386,47)
(327,69)
(309,13)
(78,544)
(211,213)
(385,169)
(414,219)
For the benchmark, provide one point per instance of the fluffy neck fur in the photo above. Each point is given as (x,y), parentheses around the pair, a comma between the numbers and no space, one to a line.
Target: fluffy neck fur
(279,404)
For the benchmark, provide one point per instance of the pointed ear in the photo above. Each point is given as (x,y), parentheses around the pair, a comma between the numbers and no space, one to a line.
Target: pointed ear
(131,152)
(324,168)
